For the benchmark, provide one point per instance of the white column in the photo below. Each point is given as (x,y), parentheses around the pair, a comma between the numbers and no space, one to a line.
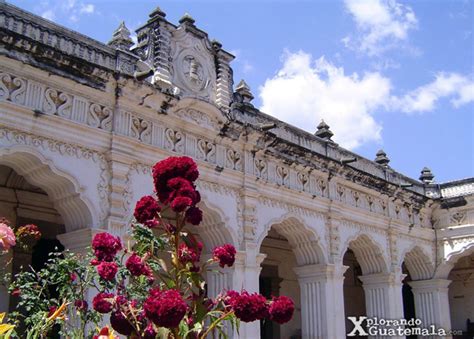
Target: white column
(432,302)
(383,296)
(246,277)
(322,301)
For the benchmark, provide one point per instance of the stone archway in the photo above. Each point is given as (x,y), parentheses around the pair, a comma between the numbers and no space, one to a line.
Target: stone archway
(294,264)
(416,266)
(382,289)
(33,190)
(461,294)
(63,189)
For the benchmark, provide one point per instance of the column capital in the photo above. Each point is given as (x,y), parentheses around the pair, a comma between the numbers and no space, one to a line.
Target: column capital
(429,285)
(78,241)
(320,272)
(382,279)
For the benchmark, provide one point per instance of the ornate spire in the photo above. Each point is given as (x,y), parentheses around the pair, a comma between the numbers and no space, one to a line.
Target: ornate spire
(426,175)
(157,12)
(324,131)
(121,38)
(381,158)
(187,18)
(244,90)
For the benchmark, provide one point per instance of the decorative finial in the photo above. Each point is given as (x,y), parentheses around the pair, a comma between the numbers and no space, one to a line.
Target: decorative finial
(426,175)
(187,18)
(381,158)
(324,131)
(244,90)
(157,12)
(121,38)
(216,44)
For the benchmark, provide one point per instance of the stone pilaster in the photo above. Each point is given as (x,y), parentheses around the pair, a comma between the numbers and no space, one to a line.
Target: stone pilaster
(116,221)
(322,300)
(246,277)
(432,302)
(383,295)
(224,76)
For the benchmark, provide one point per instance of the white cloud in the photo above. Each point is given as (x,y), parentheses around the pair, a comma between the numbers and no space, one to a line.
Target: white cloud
(49,15)
(381,24)
(305,91)
(459,88)
(73,10)
(87,9)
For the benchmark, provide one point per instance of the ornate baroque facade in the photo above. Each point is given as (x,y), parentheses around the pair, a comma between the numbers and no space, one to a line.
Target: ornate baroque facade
(81,122)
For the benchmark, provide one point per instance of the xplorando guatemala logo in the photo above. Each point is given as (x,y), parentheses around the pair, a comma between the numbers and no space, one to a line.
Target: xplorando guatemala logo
(364,326)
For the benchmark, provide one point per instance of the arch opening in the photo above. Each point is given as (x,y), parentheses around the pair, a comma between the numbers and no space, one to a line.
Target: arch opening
(461,293)
(23,203)
(61,188)
(369,255)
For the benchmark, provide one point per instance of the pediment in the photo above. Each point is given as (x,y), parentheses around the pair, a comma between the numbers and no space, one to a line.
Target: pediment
(193,68)
(200,113)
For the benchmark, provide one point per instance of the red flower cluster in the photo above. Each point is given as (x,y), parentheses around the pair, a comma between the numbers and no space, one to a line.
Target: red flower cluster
(119,322)
(146,210)
(225,255)
(81,305)
(281,309)
(248,307)
(103,302)
(30,230)
(187,254)
(193,215)
(137,267)
(106,246)
(174,183)
(165,308)
(107,270)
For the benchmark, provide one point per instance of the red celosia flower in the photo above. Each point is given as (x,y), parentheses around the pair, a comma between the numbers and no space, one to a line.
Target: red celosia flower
(150,332)
(51,310)
(16,292)
(194,215)
(249,307)
(225,255)
(107,270)
(102,302)
(165,308)
(281,309)
(147,209)
(73,276)
(179,204)
(81,305)
(170,168)
(173,167)
(106,246)
(120,323)
(137,266)
(189,254)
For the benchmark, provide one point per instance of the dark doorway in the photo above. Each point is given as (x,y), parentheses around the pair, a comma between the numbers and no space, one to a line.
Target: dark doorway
(269,287)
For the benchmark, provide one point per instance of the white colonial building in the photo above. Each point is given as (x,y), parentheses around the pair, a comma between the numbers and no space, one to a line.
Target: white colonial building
(81,122)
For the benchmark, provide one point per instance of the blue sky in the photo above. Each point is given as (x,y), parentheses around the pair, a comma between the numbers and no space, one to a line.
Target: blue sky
(397,75)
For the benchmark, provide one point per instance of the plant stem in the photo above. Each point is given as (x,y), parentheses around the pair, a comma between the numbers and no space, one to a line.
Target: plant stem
(215,323)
